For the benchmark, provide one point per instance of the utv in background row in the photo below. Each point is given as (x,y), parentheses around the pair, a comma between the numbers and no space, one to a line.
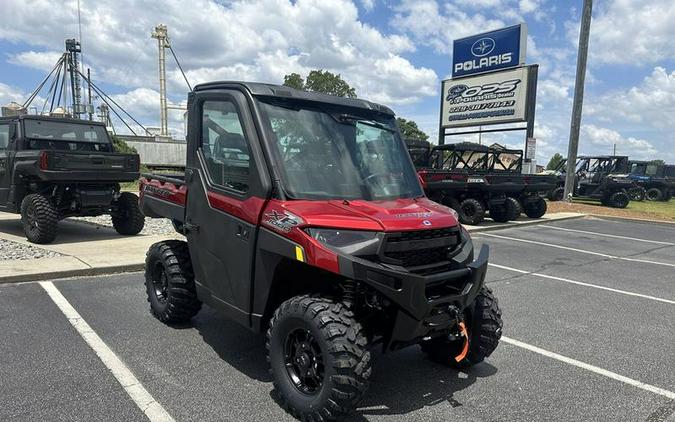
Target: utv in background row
(53,168)
(656,181)
(598,178)
(474,179)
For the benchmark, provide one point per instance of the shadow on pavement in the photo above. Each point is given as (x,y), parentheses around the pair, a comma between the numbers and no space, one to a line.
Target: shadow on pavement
(242,349)
(68,231)
(402,382)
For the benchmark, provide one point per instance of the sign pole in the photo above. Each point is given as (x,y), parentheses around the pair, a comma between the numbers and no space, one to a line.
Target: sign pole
(575,125)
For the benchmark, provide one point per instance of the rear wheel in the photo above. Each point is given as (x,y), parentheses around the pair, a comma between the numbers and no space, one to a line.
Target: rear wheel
(318,358)
(535,208)
(128,220)
(499,213)
(169,282)
(668,195)
(557,194)
(618,200)
(654,194)
(513,208)
(485,329)
(471,211)
(39,219)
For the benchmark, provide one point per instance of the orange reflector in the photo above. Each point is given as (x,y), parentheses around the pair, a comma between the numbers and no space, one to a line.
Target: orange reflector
(465,349)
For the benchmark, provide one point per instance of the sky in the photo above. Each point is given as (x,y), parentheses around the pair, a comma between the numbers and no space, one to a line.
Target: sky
(392,52)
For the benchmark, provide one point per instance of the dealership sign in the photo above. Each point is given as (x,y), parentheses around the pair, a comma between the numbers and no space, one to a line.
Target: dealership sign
(501,97)
(489,51)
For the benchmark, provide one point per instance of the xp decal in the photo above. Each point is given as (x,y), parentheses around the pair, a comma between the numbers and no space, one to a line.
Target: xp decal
(282,221)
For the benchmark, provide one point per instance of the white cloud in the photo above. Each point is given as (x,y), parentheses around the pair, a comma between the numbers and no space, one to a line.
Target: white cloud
(238,39)
(630,31)
(43,60)
(10,94)
(602,140)
(436,27)
(652,103)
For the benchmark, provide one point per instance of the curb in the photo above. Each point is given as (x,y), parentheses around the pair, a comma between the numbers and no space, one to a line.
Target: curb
(126,268)
(637,220)
(478,229)
(79,272)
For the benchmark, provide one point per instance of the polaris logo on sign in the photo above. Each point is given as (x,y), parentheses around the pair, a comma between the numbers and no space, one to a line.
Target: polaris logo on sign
(495,50)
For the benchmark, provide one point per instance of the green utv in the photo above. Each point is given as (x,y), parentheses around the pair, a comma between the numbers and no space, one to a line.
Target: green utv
(54,168)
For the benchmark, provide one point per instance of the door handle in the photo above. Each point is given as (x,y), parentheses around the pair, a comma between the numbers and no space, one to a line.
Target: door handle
(242,232)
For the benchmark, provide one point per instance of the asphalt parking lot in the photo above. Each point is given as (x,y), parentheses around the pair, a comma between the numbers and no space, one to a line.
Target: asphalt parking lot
(589,313)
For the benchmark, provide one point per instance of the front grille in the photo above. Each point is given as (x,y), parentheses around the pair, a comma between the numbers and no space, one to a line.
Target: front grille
(428,249)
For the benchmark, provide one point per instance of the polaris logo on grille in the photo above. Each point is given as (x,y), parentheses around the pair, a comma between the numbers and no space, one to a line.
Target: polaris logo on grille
(426,223)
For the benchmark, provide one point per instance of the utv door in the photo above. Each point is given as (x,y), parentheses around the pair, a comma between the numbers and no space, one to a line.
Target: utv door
(226,194)
(5,171)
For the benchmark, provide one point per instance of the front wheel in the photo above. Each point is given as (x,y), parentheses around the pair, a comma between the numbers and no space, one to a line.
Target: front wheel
(318,358)
(471,211)
(39,218)
(485,329)
(128,219)
(619,200)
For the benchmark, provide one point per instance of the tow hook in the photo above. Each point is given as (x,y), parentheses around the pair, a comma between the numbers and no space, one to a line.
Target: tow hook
(465,349)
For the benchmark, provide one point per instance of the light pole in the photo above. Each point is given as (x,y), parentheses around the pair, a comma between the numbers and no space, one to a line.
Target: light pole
(575,125)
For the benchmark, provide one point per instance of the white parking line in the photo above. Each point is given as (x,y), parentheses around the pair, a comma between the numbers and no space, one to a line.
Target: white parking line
(588,367)
(657,242)
(148,405)
(604,255)
(581,283)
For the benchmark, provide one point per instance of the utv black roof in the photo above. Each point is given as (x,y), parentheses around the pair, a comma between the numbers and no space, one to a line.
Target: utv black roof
(463,146)
(51,119)
(601,157)
(279,91)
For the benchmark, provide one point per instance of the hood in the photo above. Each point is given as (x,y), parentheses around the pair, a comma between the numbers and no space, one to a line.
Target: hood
(391,215)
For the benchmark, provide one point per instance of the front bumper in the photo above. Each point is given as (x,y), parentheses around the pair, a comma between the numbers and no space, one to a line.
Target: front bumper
(426,305)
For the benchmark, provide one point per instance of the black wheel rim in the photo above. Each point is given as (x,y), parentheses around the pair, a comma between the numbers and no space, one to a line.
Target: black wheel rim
(31,219)
(469,210)
(304,361)
(160,283)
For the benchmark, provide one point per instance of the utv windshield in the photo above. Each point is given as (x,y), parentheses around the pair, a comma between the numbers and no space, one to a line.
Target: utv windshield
(47,134)
(327,153)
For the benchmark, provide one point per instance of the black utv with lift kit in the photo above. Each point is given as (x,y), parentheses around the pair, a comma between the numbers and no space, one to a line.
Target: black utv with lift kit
(53,168)
(305,220)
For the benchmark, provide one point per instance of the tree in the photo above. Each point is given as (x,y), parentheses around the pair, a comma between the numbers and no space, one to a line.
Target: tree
(409,129)
(321,81)
(658,162)
(122,147)
(294,80)
(554,161)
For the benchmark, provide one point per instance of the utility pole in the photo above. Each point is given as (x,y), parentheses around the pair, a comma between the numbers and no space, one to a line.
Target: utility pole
(575,125)
(161,34)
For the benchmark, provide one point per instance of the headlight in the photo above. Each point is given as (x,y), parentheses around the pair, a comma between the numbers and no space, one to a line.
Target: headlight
(347,241)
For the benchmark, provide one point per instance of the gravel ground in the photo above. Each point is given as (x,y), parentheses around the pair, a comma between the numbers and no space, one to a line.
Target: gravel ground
(16,251)
(152,225)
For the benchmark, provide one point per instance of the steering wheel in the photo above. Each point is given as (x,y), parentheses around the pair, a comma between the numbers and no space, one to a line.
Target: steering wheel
(377,175)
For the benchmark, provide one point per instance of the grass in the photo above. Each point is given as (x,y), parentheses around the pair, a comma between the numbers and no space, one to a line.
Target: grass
(646,210)
(664,209)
